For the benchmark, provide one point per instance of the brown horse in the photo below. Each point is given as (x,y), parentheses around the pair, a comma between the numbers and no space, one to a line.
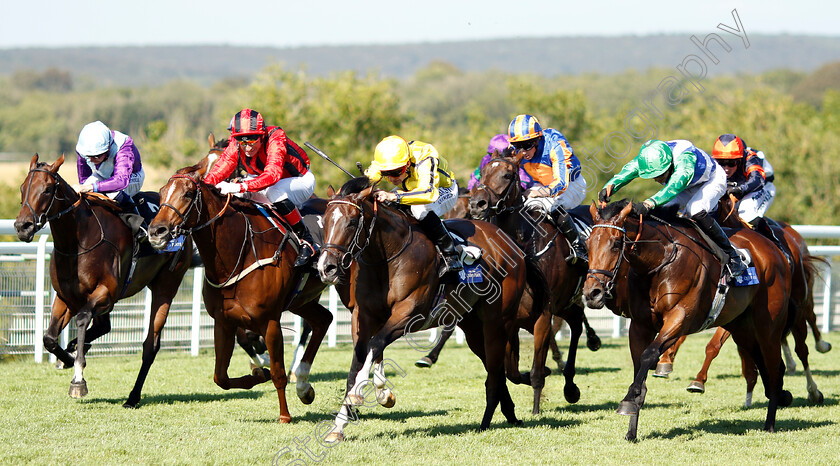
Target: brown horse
(91,267)
(664,278)
(250,279)
(499,198)
(801,303)
(395,267)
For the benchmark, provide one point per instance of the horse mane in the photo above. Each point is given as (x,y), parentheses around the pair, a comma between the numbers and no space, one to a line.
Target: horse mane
(612,209)
(221,144)
(666,213)
(354,186)
(462,191)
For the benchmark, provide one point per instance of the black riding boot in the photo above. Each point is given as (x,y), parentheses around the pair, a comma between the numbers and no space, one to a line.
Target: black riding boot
(291,215)
(564,223)
(139,228)
(710,227)
(434,227)
(761,226)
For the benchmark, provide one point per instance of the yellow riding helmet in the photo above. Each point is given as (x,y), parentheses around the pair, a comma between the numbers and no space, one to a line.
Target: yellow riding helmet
(391,153)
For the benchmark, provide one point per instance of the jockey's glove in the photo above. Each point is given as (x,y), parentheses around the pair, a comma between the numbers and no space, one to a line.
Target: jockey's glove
(226,187)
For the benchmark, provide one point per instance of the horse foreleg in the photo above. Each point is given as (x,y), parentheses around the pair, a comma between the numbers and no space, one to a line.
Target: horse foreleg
(512,362)
(319,319)
(575,320)
(542,336)
(78,386)
(274,343)
(223,342)
(300,347)
(100,325)
(666,361)
(60,318)
(151,346)
(360,330)
(556,354)
(698,385)
(644,355)
(431,358)
(807,310)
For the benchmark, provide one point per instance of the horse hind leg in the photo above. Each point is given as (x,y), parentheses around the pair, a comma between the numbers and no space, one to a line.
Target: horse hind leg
(319,318)
(666,362)
(542,336)
(800,334)
(698,385)
(161,302)
(384,393)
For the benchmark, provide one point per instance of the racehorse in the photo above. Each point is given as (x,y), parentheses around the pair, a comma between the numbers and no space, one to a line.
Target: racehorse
(499,198)
(250,279)
(396,265)
(801,302)
(462,206)
(92,267)
(663,277)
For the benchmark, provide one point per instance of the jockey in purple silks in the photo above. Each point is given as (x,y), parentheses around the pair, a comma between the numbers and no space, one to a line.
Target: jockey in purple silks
(498,143)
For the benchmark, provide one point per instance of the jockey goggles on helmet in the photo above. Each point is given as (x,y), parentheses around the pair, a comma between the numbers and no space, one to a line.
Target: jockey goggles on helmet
(521,146)
(247,139)
(395,172)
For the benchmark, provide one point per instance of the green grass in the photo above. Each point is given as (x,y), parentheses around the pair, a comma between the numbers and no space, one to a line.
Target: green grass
(185,418)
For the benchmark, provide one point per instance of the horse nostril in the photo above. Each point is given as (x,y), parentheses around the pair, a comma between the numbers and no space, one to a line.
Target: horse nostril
(481,204)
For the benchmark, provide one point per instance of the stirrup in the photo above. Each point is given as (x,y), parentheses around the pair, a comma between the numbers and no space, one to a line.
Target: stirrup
(450,264)
(305,254)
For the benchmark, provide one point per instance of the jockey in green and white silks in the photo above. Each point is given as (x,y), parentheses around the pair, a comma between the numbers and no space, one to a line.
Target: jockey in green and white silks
(692,180)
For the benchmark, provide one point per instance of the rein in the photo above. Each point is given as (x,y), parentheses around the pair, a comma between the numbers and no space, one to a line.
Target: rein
(195,202)
(348,253)
(503,197)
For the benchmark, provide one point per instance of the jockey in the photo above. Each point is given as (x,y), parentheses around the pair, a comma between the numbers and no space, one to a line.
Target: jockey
(554,172)
(109,163)
(278,172)
(424,183)
(750,179)
(691,179)
(498,144)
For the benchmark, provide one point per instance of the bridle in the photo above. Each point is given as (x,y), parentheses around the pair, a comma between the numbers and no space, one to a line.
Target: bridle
(357,246)
(43,219)
(195,203)
(503,197)
(609,284)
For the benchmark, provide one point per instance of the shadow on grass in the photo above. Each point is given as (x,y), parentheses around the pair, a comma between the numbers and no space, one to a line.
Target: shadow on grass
(738,427)
(326,376)
(472,427)
(173,398)
(389,415)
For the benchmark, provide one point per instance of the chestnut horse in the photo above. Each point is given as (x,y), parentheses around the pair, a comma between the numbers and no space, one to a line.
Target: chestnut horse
(664,278)
(395,265)
(801,302)
(91,267)
(499,198)
(250,279)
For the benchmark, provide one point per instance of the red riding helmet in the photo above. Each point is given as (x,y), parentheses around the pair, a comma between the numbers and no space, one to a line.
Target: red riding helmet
(729,146)
(246,122)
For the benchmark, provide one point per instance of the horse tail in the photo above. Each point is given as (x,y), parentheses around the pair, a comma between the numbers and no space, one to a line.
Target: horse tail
(537,281)
(809,272)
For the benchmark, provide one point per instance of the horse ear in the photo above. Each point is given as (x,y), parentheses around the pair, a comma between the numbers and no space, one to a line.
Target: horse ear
(211,140)
(330,192)
(626,211)
(518,157)
(58,163)
(34,162)
(365,193)
(593,211)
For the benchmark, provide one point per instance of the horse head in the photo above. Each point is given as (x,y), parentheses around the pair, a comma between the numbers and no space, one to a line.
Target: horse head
(345,235)
(499,189)
(606,246)
(42,193)
(181,203)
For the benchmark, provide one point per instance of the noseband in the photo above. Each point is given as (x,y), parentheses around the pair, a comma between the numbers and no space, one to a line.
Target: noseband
(196,203)
(348,253)
(43,219)
(609,284)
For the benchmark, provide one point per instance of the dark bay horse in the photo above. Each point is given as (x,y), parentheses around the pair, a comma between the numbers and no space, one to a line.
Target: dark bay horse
(91,267)
(801,303)
(250,279)
(395,266)
(664,278)
(499,198)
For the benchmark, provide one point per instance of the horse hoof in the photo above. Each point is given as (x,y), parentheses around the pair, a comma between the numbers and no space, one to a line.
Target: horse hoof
(572,393)
(284,419)
(386,398)
(627,408)
(354,400)
(78,389)
(516,422)
(262,374)
(59,364)
(823,346)
(129,405)
(786,399)
(547,371)
(816,398)
(696,387)
(292,377)
(424,362)
(308,396)
(663,369)
(334,437)
(594,344)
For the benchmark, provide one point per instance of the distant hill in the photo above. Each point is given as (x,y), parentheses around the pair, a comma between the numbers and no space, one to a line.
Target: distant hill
(132,66)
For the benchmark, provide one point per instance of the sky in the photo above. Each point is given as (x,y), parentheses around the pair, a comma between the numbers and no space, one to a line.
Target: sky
(62,23)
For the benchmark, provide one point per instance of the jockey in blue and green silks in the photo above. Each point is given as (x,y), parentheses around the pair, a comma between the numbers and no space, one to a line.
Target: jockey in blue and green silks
(692,180)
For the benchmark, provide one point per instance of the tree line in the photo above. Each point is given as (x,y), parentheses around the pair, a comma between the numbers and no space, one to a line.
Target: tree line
(793,117)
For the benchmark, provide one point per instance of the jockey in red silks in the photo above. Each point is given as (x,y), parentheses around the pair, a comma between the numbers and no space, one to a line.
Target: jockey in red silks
(277,172)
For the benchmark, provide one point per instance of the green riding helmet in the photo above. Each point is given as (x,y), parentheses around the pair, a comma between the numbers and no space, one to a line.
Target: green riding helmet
(655,158)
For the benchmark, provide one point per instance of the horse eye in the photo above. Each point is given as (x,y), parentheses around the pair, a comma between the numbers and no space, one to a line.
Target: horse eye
(508,177)
(190,195)
(48,190)
(616,245)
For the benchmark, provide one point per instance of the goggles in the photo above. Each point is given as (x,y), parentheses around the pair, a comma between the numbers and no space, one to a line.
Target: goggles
(248,139)
(393,173)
